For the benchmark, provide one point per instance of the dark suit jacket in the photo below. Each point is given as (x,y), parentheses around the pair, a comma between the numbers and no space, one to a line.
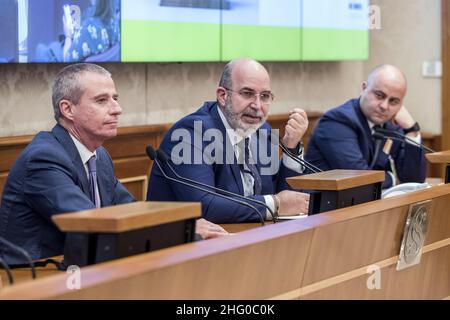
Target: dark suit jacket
(343,140)
(49,178)
(222,175)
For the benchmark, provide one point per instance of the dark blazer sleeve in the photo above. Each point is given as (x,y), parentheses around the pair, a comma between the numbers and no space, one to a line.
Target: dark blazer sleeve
(410,163)
(340,147)
(51,185)
(214,208)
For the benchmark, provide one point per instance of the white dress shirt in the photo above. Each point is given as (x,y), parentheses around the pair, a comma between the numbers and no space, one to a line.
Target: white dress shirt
(85,155)
(247,179)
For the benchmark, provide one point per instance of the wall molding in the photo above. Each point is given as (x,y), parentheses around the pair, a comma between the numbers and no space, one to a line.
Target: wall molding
(131,163)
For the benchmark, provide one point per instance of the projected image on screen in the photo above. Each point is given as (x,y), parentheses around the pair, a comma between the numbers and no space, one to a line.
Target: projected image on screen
(62,30)
(183,30)
(8,31)
(267,30)
(262,29)
(335,30)
(155,30)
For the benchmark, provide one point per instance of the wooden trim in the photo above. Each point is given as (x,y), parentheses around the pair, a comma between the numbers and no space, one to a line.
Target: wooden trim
(336,179)
(126,217)
(132,161)
(344,277)
(144,184)
(445,75)
(439,157)
(133,179)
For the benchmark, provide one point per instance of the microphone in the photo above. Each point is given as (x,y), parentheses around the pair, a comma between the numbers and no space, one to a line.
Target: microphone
(300,161)
(378,141)
(7,270)
(23,253)
(152,155)
(162,156)
(394,135)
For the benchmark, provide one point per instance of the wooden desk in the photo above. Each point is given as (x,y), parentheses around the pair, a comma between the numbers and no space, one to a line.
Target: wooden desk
(324,256)
(239,227)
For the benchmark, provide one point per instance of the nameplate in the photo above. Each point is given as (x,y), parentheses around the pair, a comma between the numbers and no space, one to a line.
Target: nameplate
(414,235)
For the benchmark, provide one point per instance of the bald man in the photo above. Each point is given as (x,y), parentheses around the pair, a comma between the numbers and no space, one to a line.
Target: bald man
(343,138)
(228,144)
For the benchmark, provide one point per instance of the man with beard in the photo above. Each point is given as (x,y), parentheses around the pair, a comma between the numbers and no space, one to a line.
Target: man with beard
(229,145)
(343,138)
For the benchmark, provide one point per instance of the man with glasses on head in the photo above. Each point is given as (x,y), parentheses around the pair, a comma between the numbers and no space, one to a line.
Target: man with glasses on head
(345,137)
(229,145)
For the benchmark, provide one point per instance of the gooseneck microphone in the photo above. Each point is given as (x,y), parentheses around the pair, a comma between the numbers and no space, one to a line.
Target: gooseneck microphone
(378,141)
(23,253)
(152,155)
(162,156)
(394,135)
(5,266)
(300,161)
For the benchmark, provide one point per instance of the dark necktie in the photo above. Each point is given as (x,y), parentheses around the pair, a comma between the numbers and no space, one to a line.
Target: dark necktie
(92,167)
(252,169)
(376,147)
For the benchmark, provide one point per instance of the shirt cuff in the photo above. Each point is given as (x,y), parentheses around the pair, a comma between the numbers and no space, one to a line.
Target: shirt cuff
(417,139)
(394,180)
(269,201)
(291,164)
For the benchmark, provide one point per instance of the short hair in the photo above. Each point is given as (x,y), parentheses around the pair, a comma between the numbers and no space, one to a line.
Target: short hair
(68,87)
(225,78)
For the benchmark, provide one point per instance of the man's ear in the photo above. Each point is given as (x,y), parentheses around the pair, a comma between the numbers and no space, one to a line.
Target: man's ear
(67,109)
(364,86)
(221,95)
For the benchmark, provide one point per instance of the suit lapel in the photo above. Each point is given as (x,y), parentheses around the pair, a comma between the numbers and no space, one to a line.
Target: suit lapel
(365,130)
(104,188)
(65,140)
(230,156)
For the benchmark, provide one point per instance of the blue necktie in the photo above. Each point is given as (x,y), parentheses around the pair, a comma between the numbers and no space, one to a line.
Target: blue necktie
(92,167)
(252,169)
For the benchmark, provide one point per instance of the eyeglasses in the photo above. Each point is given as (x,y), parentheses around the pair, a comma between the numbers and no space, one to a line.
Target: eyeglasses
(266,97)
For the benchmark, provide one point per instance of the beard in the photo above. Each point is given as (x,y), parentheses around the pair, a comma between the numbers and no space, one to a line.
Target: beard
(235,119)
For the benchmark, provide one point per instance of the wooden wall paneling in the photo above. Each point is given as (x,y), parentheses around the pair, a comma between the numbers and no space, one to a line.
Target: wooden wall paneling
(279,121)
(434,142)
(127,149)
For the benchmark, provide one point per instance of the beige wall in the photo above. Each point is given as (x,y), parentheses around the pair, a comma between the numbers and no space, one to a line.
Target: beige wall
(161,93)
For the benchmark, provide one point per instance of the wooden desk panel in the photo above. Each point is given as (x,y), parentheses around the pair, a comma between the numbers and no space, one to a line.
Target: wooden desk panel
(322,256)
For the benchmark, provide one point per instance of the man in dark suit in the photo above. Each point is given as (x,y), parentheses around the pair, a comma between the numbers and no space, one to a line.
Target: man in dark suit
(343,138)
(228,144)
(67,169)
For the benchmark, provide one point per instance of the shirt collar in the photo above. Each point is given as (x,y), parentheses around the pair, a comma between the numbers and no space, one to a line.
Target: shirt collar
(84,152)
(234,137)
